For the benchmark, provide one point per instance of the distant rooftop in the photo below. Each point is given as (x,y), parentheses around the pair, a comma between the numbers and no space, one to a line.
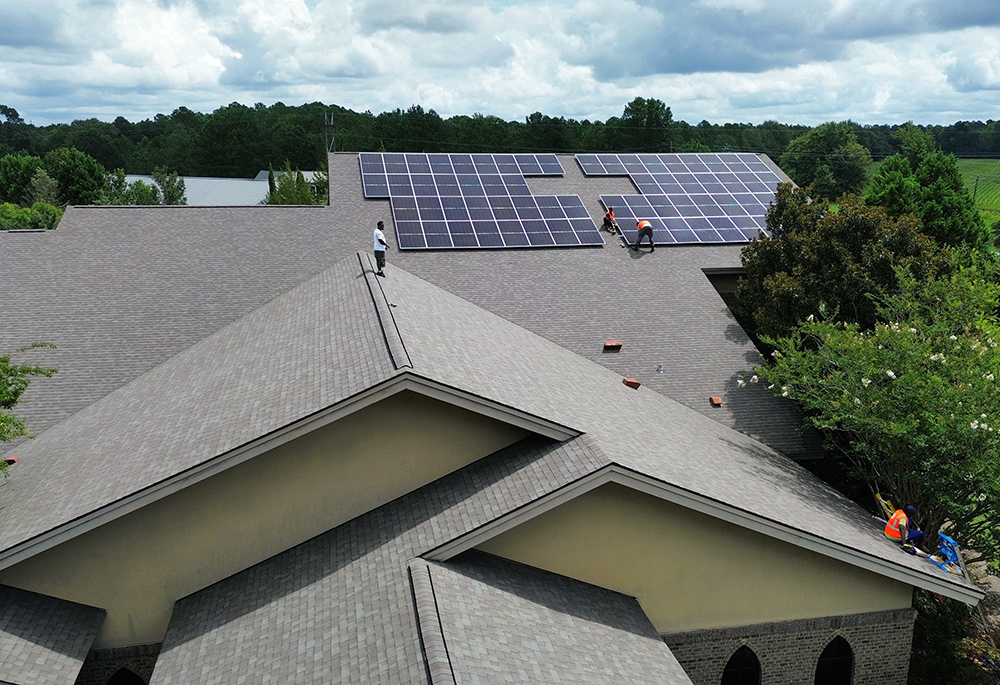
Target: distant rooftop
(202,191)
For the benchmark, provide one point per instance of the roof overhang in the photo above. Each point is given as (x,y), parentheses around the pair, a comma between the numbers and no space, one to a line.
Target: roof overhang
(963,592)
(406,381)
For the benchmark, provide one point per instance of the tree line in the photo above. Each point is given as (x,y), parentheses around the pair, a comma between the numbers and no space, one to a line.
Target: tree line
(238,141)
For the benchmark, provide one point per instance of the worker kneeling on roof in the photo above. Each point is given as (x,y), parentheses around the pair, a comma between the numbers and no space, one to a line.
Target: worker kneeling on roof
(901,527)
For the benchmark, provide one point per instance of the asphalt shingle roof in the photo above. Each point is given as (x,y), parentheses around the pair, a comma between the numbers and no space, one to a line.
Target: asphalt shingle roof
(338,608)
(122,289)
(497,621)
(326,340)
(306,350)
(43,640)
(186,333)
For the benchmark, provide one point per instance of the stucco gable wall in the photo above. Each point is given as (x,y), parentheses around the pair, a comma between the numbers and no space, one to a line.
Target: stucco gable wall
(688,570)
(137,566)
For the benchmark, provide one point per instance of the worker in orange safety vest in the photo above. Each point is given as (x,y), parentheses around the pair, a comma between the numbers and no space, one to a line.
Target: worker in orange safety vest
(645,231)
(609,219)
(901,527)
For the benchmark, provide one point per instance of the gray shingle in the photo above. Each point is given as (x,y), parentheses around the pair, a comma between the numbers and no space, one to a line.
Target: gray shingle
(304,351)
(43,640)
(338,608)
(500,621)
(120,290)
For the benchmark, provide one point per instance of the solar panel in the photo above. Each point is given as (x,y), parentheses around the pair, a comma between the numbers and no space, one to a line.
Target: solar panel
(690,197)
(442,201)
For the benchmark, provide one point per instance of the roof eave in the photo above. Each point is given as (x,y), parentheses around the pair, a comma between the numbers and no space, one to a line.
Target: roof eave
(404,381)
(614,473)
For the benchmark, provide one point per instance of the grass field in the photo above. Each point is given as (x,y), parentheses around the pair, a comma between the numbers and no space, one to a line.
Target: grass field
(988,192)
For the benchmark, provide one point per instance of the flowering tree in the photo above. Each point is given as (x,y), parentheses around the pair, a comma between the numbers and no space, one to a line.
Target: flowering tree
(14,380)
(914,403)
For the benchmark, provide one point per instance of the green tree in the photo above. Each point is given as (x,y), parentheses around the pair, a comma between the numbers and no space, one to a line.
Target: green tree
(46,216)
(916,143)
(934,191)
(120,191)
(40,215)
(171,186)
(834,145)
(645,126)
(824,184)
(231,143)
(14,380)
(291,188)
(837,258)
(894,187)
(945,206)
(81,178)
(16,172)
(43,188)
(913,402)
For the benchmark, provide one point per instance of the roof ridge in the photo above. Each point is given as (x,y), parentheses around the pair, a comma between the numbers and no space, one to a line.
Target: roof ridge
(390,331)
(430,631)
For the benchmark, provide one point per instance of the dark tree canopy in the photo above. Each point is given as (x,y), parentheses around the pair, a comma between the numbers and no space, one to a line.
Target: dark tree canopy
(835,147)
(16,172)
(935,192)
(81,178)
(835,258)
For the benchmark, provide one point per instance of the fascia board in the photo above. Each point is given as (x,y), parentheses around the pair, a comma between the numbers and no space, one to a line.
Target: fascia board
(223,462)
(617,474)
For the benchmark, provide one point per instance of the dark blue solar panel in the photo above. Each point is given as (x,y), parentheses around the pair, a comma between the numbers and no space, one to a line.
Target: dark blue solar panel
(412,241)
(702,187)
(395,163)
(455,210)
(464,239)
(371,163)
(417,164)
(612,166)
(409,228)
(438,240)
(474,200)
(550,164)
(590,165)
(440,163)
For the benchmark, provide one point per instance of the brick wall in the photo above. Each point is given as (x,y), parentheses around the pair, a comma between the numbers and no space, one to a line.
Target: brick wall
(101,664)
(788,651)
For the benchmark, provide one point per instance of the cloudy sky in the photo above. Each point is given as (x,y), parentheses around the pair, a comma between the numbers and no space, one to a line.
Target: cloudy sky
(796,61)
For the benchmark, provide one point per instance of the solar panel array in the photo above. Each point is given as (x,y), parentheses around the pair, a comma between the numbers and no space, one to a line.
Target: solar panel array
(689,198)
(442,201)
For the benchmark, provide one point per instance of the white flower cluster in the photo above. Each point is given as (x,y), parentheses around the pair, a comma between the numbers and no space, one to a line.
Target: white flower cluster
(866,382)
(939,357)
(891,374)
(981,425)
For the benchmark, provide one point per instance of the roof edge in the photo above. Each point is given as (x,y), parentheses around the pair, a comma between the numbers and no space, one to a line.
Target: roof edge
(966,593)
(406,380)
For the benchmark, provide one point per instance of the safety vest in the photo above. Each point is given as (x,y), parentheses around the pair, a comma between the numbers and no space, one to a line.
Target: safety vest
(610,215)
(645,224)
(892,527)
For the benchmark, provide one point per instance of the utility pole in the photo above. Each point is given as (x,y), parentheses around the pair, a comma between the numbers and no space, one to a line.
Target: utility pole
(328,131)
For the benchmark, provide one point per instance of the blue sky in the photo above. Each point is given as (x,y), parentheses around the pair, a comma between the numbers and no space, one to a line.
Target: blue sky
(795,61)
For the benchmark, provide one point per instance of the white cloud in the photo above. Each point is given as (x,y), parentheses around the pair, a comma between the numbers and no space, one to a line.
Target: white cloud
(797,61)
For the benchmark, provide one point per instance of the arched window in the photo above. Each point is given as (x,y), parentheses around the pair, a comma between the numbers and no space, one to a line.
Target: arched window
(836,663)
(123,676)
(743,668)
